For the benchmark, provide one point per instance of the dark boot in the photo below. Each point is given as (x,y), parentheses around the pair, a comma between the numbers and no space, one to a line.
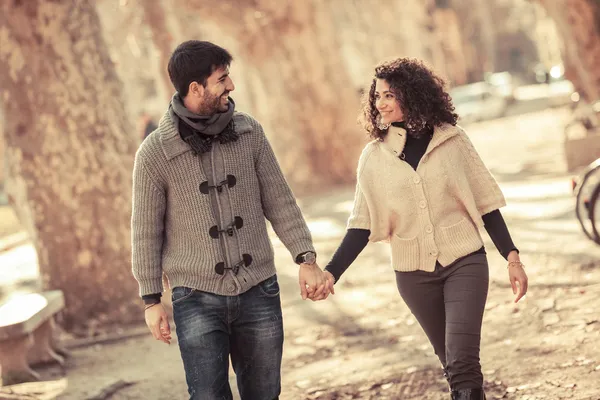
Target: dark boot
(468,394)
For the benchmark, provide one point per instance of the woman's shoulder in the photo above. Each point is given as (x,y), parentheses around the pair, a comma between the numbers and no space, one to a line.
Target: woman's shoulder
(370,148)
(367,153)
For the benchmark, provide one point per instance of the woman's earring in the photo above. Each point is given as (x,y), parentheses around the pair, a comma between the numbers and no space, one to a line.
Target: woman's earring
(380,125)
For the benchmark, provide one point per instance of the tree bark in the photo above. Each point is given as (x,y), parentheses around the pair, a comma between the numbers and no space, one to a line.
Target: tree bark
(368,34)
(299,84)
(70,155)
(578,22)
(154,14)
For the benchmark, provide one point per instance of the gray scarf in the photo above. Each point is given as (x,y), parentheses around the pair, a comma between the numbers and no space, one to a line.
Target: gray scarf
(200,131)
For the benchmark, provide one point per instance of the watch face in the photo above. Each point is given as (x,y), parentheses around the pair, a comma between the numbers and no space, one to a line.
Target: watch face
(310,258)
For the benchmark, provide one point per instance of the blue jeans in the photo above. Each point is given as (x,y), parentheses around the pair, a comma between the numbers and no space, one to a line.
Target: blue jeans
(248,327)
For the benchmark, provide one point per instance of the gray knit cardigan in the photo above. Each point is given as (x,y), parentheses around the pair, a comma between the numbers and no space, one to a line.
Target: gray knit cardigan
(172,219)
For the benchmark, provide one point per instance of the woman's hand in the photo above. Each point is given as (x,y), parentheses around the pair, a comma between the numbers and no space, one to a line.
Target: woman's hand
(517,275)
(328,289)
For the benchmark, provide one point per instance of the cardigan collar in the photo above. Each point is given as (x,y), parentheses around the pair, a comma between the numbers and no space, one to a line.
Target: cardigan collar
(172,143)
(395,140)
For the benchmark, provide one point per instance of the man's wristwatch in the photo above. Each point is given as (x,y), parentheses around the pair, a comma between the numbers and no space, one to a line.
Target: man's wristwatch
(310,257)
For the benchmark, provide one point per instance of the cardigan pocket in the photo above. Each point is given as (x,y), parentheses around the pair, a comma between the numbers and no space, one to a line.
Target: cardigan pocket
(461,238)
(405,253)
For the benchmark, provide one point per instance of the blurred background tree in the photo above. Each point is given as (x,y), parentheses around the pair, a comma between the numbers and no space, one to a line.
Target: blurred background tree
(69,154)
(578,23)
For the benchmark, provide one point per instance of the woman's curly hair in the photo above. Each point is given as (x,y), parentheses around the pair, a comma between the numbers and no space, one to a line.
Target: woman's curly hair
(419,92)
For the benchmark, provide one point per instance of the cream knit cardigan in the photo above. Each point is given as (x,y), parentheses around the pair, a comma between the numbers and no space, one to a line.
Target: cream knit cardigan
(429,214)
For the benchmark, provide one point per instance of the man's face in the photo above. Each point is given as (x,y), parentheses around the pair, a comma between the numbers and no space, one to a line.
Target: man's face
(216,93)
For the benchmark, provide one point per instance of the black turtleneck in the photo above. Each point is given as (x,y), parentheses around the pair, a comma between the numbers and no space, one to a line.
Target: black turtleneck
(356,240)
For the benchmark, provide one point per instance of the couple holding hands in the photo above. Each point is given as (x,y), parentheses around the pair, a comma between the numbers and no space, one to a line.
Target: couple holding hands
(206,180)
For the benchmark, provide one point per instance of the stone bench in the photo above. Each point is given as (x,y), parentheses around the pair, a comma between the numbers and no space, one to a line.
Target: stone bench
(26,335)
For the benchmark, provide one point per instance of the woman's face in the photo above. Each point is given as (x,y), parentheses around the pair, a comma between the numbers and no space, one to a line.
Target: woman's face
(386,103)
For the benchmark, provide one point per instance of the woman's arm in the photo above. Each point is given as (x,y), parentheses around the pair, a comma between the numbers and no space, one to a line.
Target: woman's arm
(352,245)
(498,231)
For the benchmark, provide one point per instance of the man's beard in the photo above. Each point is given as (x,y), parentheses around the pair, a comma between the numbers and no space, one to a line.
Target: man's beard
(212,104)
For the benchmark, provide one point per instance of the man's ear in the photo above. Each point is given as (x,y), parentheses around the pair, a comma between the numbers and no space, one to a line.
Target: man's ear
(196,89)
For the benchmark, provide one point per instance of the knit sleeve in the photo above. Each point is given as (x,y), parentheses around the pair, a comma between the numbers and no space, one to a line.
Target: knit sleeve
(352,245)
(496,227)
(278,201)
(147,229)
(359,216)
(484,188)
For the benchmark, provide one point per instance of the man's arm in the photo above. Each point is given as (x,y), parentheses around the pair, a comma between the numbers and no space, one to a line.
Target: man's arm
(147,232)
(147,229)
(280,208)
(278,202)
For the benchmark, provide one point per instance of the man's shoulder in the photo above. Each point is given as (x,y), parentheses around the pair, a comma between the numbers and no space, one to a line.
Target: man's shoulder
(245,123)
(150,150)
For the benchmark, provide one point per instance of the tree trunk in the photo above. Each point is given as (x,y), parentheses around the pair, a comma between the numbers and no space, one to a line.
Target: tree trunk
(136,59)
(488,38)
(578,22)
(70,155)
(478,35)
(449,35)
(299,84)
(368,36)
(154,14)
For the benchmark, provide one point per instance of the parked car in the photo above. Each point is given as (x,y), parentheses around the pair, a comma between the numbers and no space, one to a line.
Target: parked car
(503,83)
(478,102)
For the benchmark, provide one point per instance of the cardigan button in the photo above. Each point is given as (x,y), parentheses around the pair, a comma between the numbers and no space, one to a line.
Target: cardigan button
(416,179)
(429,229)
(220,268)
(422,204)
(433,253)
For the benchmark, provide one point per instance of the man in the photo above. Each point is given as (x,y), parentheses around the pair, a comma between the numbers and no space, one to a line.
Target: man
(203,184)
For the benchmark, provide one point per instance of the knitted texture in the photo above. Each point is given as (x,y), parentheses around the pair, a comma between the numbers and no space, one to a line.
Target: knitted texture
(429,214)
(171,218)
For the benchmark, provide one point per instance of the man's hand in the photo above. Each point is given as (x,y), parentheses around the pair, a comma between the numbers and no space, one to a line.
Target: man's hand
(158,322)
(311,280)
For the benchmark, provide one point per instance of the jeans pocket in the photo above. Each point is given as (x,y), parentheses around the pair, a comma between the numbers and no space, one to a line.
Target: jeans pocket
(269,287)
(181,293)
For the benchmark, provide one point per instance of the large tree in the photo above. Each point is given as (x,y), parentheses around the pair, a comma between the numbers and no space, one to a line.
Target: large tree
(69,154)
(578,23)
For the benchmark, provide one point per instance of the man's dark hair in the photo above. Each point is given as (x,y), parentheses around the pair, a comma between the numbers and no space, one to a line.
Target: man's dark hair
(195,61)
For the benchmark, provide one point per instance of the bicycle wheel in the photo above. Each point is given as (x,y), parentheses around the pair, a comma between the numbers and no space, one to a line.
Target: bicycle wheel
(583,204)
(595,214)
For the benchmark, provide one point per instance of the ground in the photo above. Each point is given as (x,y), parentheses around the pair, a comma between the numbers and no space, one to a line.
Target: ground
(363,342)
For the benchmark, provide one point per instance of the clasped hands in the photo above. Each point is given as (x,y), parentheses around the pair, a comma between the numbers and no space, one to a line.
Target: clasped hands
(315,284)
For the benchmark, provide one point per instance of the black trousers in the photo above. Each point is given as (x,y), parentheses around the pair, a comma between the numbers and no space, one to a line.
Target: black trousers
(448,304)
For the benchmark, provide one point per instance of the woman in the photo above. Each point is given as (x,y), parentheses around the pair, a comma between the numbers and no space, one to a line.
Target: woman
(422,186)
